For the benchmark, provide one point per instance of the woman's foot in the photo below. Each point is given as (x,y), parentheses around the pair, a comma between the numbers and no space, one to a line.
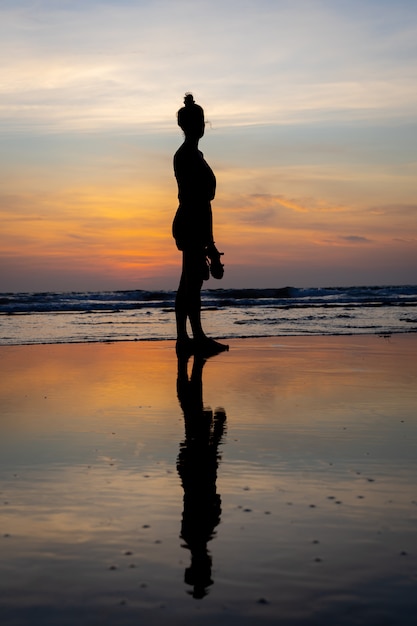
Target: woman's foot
(209,347)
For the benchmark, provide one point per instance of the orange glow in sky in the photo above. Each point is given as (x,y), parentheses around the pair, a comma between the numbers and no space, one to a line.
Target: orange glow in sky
(312,140)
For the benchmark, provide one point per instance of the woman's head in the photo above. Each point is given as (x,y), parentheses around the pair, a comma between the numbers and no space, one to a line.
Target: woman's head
(191,117)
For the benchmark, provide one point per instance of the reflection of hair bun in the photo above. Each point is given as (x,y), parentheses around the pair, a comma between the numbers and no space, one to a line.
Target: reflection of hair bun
(189,100)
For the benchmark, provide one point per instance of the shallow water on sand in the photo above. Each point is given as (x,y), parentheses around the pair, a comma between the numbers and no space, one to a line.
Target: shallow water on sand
(275,486)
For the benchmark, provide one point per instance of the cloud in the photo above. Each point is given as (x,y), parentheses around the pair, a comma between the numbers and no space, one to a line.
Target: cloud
(406,240)
(355,239)
(395,210)
(279,200)
(312,107)
(124,64)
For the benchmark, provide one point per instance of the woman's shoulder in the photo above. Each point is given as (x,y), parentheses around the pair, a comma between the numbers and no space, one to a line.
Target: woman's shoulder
(188,156)
(189,150)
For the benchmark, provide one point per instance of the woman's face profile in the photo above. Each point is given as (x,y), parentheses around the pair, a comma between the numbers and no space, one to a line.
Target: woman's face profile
(197,129)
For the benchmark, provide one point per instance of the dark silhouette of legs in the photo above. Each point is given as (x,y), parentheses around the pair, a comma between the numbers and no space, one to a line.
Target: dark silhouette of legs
(188,306)
(188,299)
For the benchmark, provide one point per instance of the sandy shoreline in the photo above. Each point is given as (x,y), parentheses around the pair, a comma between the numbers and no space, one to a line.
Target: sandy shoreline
(300,451)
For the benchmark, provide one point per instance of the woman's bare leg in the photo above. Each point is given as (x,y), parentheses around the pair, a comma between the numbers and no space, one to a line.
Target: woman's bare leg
(188,299)
(188,305)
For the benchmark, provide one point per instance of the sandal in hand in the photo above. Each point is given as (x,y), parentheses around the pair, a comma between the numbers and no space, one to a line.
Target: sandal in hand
(216,267)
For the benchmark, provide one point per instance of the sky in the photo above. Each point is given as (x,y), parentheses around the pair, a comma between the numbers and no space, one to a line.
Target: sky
(311,109)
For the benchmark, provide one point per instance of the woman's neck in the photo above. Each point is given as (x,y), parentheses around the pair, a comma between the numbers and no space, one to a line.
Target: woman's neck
(192,141)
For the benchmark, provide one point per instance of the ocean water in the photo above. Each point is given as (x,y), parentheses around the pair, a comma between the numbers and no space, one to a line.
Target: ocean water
(71,317)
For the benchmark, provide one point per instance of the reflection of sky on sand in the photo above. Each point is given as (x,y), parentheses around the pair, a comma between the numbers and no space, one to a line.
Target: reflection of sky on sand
(317,483)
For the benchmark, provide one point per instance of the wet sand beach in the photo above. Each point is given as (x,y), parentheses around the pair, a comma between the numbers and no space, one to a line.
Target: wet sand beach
(272,484)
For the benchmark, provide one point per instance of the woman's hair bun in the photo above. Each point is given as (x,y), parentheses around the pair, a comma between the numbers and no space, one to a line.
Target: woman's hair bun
(191,116)
(189,100)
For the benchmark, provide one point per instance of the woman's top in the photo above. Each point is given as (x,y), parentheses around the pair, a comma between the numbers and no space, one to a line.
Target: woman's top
(193,224)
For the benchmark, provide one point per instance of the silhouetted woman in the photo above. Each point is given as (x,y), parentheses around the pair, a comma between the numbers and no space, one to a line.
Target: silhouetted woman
(193,231)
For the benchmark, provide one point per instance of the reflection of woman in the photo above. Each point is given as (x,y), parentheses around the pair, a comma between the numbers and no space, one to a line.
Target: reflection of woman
(193,231)
(197,466)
